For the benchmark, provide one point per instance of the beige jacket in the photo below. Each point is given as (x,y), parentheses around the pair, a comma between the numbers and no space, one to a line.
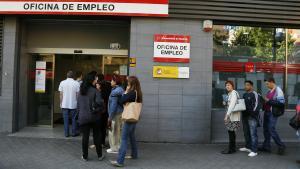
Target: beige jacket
(232,99)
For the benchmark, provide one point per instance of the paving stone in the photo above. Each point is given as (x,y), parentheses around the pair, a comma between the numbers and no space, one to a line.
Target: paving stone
(53,153)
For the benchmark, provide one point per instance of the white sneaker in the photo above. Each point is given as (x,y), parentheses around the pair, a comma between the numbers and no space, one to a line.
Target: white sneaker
(111,151)
(252,154)
(244,149)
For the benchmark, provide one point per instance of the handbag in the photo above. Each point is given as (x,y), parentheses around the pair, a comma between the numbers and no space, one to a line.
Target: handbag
(295,121)
(277,111)
(132,111)
(240,104)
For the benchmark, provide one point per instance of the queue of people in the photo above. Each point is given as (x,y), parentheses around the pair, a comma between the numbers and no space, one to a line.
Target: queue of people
(273,106)
(97,105)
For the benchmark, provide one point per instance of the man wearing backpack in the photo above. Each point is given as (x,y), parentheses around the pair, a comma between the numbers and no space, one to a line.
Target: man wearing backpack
(274,107)
(250,119)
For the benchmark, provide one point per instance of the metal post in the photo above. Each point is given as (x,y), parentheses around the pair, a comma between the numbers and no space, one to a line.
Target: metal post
(286,62)
(274,45)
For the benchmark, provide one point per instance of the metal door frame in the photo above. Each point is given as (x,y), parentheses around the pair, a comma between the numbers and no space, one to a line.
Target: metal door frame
(83,51)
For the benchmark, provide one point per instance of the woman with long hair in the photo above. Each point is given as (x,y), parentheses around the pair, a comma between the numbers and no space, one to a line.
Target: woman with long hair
(133,93)
(90,107)
(232,119)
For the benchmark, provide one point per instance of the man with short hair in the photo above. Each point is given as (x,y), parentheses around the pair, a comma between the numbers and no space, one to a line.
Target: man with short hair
(250,119)
(78,77)
(274,101)
(69,90)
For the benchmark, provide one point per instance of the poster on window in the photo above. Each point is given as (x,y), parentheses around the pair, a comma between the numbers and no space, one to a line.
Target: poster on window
(40,77)
(171,48)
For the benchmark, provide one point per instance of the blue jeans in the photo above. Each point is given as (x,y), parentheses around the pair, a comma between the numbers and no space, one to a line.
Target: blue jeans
(270,131)
(253,123)
(250,132)
(66,113)
(128,131)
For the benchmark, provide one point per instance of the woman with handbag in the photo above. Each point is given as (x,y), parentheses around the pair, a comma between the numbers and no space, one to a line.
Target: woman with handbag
(132,100)
(90,106)
(232,118)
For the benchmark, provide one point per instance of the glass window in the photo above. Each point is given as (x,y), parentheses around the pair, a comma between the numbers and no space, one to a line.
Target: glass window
(293,78)
(115,65)
(246,53)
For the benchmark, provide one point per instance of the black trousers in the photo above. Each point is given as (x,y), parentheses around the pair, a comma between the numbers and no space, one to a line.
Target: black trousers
(232,144)
(97,135)
(103,128)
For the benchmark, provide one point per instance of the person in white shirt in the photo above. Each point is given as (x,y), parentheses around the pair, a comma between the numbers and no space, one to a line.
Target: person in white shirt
(69,89)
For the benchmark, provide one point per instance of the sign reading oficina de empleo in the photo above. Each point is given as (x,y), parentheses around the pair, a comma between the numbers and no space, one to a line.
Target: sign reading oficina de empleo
(158,8)
(171,48)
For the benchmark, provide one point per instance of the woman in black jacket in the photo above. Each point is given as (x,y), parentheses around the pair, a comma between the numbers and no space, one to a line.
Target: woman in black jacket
(133,93)
(90,107)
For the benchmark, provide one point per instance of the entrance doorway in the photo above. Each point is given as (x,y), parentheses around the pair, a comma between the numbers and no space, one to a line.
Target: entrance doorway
(43,94)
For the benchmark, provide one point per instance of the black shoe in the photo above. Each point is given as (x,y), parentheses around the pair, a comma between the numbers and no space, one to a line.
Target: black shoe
(298,161)
(75,135)
(84,159)
(228,151)
(281,150)
(262,149)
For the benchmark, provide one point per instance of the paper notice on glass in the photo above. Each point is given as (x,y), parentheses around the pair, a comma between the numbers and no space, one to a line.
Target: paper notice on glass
(240,83)
(123,70)
(40,77)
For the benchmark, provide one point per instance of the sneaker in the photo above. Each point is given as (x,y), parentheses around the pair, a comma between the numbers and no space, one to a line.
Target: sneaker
(101,158)
(111,151)
(116,164)
(244,149)
(84,159)
(252,154)
(130,157)
(92,146)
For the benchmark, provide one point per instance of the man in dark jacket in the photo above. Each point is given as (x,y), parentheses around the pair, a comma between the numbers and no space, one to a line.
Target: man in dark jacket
(105,88)
(250,119)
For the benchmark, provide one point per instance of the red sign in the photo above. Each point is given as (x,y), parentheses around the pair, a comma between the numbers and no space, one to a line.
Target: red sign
(249,67)
(172,48)
(157,8)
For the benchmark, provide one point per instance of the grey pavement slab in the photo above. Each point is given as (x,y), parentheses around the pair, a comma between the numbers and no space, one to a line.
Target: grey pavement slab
(55,153)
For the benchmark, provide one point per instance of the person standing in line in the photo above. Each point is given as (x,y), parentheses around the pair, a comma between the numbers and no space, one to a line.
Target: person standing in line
(69,89)
(298,131)
(78,77)
(114,115)
(105,88)
(90,107)
(250,119)
(232,119)
(133,93)
(274,98)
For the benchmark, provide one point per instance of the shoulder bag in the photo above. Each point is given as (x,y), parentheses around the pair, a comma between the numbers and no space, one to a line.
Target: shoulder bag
(240,104)
(132,111)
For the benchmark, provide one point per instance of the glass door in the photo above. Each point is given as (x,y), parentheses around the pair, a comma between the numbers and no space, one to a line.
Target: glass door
(41,90)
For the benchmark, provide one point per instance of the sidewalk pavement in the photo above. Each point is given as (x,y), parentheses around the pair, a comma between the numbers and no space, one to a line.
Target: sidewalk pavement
(38,153)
